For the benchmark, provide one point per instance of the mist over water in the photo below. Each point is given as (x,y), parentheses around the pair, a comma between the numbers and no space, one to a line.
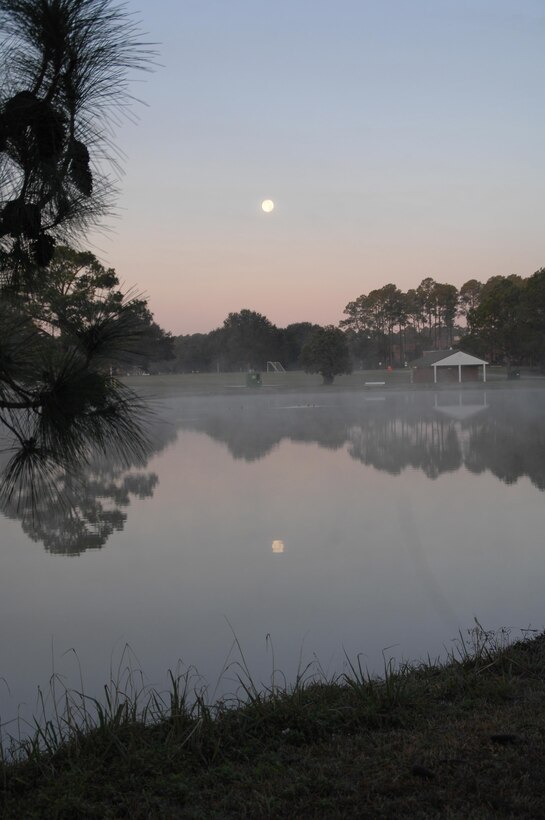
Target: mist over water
(325,522)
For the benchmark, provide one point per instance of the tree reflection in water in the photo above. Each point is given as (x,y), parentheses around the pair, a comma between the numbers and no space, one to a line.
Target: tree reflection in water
(512,442)
(496,430)
(392,445)
(71,512)
(499,431)
(76,513)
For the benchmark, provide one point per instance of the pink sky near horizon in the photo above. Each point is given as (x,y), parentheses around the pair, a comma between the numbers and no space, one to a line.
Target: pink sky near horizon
(311,283)
(397,140)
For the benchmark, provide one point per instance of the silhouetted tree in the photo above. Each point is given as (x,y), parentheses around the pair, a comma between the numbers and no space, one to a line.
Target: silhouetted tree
(469,296)
(64,73)
(249,340)
(326,352)
(446,303)
(495,329)
(376,316)
(292,339)
(426,297)
(64,69)
(532,318)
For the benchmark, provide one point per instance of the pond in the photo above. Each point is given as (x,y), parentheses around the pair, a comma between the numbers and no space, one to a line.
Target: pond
(309,527)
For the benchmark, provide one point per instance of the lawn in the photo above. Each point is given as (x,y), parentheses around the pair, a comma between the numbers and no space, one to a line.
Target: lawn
(297,381)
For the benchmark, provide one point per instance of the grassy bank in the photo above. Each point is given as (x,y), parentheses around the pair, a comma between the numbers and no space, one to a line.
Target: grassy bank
(463,739)
(297,381)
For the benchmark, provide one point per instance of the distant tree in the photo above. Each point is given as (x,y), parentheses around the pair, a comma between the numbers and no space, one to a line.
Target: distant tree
(433,304)
(358,316)
(376,316)
(425,293)
(394,316)
(412,339)
(363,348)
(326,352)
(249,340)
(494,326)
(532,318)
(292,339)
(155,346)
(469,296)
(197,352)
(446,302)
(414,310)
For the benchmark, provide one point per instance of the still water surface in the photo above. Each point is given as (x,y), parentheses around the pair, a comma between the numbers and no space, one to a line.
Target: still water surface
(329,523)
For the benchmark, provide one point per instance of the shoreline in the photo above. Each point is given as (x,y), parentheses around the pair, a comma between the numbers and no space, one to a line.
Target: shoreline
(463,738)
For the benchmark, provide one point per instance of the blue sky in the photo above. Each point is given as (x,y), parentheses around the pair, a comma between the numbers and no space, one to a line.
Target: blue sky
(398,140)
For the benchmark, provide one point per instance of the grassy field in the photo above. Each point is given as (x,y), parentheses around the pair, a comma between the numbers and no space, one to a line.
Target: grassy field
(297,381)
(465,739)
(289,381)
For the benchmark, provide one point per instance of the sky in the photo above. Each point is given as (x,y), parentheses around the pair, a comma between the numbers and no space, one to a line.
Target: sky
(398,139)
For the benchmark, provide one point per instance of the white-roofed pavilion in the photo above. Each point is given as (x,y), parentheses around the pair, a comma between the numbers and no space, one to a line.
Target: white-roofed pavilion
(448,366)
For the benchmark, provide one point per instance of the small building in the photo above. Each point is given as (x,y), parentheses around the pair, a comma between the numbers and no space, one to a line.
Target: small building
(448,366)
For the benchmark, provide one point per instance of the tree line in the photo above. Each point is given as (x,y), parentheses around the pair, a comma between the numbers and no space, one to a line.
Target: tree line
(246,340)
(501,320)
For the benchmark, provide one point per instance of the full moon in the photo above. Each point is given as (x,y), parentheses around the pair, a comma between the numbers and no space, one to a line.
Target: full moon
(267,205)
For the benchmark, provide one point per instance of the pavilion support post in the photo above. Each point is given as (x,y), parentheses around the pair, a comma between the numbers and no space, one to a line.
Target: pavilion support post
(459,374)
(435,374)
(484,373)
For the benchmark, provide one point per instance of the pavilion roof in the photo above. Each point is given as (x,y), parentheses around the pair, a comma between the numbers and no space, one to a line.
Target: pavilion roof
(446,358)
